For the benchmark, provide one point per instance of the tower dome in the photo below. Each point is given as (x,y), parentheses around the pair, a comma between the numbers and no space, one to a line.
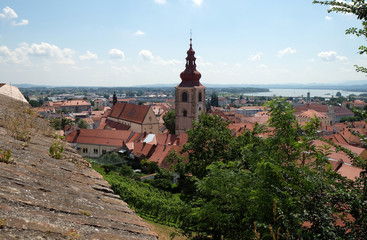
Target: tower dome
(190,76)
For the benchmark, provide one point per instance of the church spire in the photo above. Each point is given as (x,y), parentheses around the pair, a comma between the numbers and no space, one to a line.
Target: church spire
(190,76)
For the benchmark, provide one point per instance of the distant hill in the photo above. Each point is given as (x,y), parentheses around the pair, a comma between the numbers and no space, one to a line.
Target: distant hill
(355,85)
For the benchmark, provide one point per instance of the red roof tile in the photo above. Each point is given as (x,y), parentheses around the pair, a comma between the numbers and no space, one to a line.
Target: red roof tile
(99,137)
(129,112)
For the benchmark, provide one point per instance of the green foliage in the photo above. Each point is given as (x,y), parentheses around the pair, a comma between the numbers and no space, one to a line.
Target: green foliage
(209,141)
(250,187)
(148,166)
(350,119)
(214,100)
(60,124)
(148,201)
(56,150)
(2,222)
(279,183)
(84,212)
(5,156)
(82,124)
(170,121)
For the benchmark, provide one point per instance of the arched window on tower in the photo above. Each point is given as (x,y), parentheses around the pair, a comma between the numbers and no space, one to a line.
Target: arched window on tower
(184,113)
(200,97)
(184,97)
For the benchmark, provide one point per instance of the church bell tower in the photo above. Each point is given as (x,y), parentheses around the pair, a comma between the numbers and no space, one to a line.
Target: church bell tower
(189,95)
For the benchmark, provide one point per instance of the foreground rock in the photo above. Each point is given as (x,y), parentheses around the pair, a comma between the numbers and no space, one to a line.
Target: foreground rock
(46,198)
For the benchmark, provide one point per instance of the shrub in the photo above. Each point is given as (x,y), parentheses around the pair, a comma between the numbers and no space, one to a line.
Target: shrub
(56,150)
(5,156)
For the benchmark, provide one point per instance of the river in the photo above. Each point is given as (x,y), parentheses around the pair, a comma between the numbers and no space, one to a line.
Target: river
(302,93)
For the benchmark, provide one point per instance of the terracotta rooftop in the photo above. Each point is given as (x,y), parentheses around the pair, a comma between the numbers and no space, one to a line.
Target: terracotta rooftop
(100,137)
(129,112)
(75,103)
(311,114)
(339,111)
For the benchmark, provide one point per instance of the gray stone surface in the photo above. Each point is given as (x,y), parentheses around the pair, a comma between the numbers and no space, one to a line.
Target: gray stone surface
(46,198)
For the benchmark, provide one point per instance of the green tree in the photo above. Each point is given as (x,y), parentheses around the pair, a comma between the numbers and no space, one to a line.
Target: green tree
(214,100)
(279,183)
(209,141)
(357,8)
(60,124)
(82,124)
(170,121)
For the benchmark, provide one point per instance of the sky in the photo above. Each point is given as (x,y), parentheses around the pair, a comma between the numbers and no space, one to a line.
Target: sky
(119,43)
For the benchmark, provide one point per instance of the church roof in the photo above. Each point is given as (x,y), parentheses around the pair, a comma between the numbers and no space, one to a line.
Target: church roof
(190,76)
(129,112)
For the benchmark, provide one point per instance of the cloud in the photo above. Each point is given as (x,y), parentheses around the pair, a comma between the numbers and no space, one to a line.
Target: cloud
(88,56)
(262,66)
(331,56)
(146,55)
(197,2)
(139,33)
(160,1)
(21,23)
(328,18)
(9,14)
(44,51)
(117,54)
(200,62)
(287,50)
(256,57)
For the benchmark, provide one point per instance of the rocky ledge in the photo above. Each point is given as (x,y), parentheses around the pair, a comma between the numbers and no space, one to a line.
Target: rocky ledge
(42,197)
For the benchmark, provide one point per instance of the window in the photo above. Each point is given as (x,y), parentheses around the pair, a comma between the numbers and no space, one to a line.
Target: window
(85,150)
(185,113)
(184,97)
(200,97)
(95,151)
(103,151)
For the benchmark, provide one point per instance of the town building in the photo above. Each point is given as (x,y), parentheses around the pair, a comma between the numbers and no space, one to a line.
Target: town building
(189,95)
(74,106)
(137,118)
(95,142)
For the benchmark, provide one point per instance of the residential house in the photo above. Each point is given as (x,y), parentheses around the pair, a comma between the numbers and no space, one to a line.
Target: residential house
(95,142)
(75,106)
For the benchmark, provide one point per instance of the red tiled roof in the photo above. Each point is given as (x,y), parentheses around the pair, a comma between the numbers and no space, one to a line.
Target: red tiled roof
(339,111)
(142,148)
(99,137)
(129,112)
(116,110)
(160,155)
(75,103)
(311,114)
(136,137)
(115,125)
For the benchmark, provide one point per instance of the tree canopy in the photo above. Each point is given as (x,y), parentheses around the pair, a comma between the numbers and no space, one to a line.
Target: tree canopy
(170,121)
